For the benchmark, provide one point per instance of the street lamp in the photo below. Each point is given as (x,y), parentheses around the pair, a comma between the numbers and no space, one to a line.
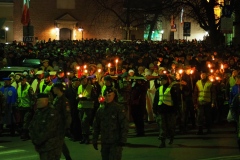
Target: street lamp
(81,30)
(6,29)
(162,31)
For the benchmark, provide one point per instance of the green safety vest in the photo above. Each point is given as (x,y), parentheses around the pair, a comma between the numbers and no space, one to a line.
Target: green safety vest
(23,97)
(103,89)
(166,97)
(85,93)
(47,89)
(232,82)
(204,92)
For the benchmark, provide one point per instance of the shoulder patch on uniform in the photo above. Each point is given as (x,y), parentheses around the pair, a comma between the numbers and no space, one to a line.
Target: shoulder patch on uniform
(10,93)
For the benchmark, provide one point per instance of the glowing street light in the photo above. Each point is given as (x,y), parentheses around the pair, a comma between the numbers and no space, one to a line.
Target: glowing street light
(6,29)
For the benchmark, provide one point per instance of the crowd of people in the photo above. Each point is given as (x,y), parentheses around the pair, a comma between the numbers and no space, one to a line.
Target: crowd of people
(100,85)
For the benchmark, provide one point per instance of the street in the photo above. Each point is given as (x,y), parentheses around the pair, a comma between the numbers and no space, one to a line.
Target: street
(219,145)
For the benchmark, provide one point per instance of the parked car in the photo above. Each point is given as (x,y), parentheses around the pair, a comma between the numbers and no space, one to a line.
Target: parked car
(6,71)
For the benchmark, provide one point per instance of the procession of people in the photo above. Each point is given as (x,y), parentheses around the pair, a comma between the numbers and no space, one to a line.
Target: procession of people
(99,86)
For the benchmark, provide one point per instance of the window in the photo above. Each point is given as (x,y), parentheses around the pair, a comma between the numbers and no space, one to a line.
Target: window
(65,4)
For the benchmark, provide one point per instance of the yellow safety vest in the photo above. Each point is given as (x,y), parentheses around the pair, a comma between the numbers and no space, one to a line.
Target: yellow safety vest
(204,92)
(23,97)
(103,89)
(166,97)
(47,89)
(85,93)
(232,82)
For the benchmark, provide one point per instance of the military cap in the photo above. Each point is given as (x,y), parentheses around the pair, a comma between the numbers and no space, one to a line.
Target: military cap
(46,74)
(107,78)
(39,72)
(52,73)
(42,95)
(45,60)
(23,77)
(83,77)
(131,71)
(59,86)
(60,71)
(163,77)
(108,91)
(7,79)
(75,79)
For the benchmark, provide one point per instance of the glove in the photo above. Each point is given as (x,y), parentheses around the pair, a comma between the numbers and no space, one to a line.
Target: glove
(95,146)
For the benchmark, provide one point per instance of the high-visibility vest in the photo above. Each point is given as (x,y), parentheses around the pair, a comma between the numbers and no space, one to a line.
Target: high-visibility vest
(103,89)
(47,89)
(232,82)
(23,96)
(204,91)
(166,97)
(85,93)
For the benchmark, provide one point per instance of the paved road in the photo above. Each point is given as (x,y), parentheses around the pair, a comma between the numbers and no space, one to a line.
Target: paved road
(219,145)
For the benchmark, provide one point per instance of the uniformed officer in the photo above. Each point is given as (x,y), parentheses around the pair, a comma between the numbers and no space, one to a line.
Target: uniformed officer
(24,103)
(85,107)
(46,66)
(61,104)
(61,78)
(165,108)
(111,122)
(44,130)
(46,85)
(204,98)
(10,93)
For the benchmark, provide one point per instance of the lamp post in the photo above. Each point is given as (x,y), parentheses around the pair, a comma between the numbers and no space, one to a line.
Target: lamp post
(162,31)
(6,30)
(81,30)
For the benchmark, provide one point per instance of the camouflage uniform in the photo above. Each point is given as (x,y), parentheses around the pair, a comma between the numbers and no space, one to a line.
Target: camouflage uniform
(111,122)
(44,132)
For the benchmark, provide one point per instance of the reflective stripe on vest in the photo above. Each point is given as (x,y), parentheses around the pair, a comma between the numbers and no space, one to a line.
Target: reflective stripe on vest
(232,82)
(85,93)
(204,92)
(23,97)
(166,97)
(47,88)
(103,89)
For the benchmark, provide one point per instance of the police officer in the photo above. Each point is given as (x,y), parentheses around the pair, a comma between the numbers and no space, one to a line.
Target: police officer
(46,85)
(165,107)
(61,104)
(111,122)
(46,66)
(24,102)
(10,93)
(45,130)
(204,98)
(61,78)
(85,107)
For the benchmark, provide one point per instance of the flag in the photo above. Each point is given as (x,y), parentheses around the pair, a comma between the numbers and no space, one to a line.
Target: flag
(181,16)
(25,14)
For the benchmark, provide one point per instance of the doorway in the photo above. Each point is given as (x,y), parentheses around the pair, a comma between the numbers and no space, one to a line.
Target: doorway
(65,34)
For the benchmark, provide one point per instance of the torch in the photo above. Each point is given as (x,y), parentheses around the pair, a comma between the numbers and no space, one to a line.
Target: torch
(181,72)
(109,65)
(116,65)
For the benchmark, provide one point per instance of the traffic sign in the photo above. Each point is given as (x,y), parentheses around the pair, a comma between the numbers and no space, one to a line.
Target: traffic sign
(187,29)
(28,38)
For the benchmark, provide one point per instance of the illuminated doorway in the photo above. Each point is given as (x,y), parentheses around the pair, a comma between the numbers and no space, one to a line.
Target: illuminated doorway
(65,34)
